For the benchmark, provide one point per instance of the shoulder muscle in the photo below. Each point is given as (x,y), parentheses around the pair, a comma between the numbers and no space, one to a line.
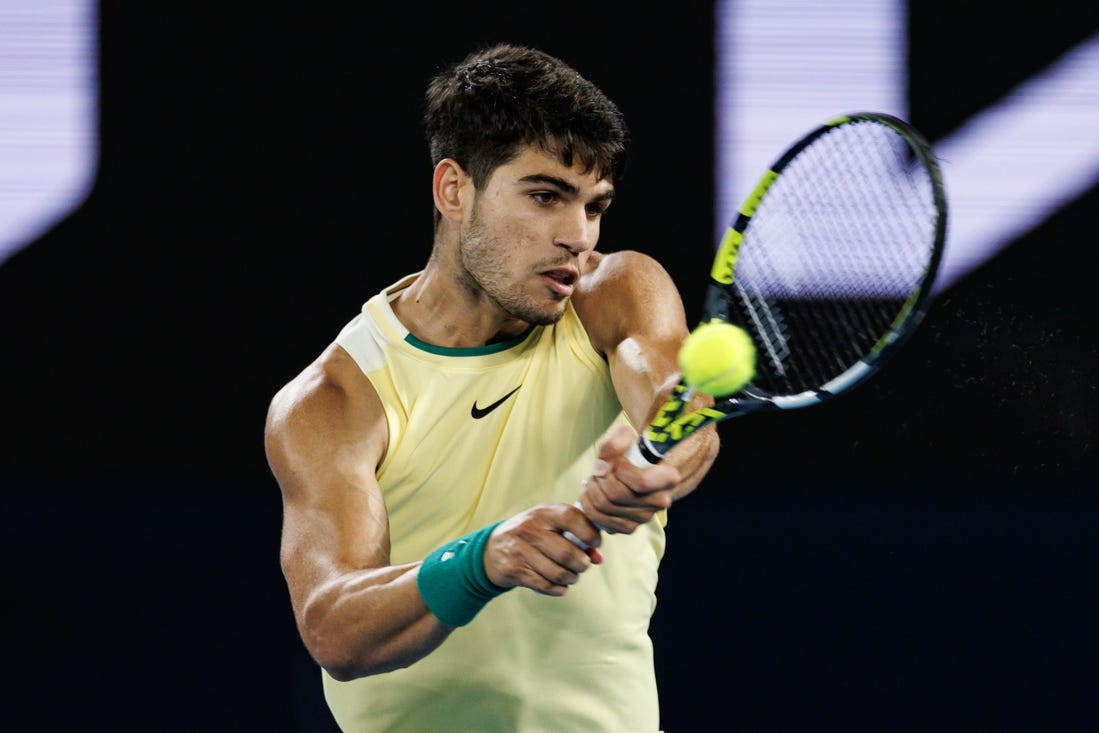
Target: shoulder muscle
(629,295)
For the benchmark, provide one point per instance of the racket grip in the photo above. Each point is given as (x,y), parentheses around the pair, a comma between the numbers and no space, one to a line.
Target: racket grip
(573,538)
(638,455)
(576,540)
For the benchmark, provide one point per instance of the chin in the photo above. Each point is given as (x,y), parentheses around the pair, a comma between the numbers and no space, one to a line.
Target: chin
(547,317)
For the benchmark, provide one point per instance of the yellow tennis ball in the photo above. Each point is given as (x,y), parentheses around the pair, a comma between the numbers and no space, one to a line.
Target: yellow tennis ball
(718,358)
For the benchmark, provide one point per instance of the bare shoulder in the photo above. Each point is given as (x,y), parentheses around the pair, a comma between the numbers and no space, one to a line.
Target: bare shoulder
(324,408)
(625,269)
(330,378)
(627,294)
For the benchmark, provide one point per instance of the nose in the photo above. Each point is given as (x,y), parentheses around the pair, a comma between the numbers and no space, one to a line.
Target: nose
(577,232)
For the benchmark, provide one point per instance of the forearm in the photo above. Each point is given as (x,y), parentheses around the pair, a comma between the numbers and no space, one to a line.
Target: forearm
(370,621)
(693,458)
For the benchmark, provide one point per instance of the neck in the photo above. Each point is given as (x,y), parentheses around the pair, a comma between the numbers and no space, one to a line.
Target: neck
(438,310)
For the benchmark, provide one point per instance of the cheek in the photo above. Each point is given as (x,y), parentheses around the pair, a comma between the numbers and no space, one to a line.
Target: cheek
(512,229)
(517,232)
(593,231)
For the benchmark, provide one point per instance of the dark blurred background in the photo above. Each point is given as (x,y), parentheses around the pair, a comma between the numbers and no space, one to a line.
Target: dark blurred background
(921,555)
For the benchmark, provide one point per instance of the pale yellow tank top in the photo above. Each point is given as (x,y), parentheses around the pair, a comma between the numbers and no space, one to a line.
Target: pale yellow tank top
(477,435)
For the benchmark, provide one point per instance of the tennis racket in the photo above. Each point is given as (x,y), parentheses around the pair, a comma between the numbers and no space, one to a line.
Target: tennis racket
(828,265)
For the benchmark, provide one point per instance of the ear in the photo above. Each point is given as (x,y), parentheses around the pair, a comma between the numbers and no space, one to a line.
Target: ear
(450,185)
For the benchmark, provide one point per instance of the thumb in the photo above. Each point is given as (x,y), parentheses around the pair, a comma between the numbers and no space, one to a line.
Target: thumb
(613,448)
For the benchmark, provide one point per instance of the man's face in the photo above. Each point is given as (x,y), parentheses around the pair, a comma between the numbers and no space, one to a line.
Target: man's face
(525,239)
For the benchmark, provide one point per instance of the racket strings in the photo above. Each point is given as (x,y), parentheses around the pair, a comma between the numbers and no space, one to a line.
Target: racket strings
(839,242)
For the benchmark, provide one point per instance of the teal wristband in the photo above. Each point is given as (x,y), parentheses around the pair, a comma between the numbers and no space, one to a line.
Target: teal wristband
(453,581)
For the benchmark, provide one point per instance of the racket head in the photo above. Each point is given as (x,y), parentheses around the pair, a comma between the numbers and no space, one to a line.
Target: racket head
(839,247)
(829,265)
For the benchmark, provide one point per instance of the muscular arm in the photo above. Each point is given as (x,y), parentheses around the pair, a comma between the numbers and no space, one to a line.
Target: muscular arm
(356,613)
(359,615)
(634,315)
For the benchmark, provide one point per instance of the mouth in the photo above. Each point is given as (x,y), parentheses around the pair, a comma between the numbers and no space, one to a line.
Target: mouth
(561,280)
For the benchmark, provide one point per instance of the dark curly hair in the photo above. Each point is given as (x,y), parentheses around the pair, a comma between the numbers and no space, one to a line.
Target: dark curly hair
(482,111)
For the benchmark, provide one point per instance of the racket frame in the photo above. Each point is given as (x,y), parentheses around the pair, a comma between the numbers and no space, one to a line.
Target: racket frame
(670,425)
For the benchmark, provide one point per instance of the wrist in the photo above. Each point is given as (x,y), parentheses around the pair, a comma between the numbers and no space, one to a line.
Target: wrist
(452,578)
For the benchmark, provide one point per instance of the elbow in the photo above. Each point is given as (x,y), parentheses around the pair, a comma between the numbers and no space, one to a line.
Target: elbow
(345,658)
(335,653)
(344,667)
(333,656)
(331,650)
(341,673)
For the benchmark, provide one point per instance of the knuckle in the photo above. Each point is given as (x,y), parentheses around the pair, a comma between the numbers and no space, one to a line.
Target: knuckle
(564,577)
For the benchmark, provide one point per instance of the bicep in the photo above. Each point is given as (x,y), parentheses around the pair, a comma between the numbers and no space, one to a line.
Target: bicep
(325,435)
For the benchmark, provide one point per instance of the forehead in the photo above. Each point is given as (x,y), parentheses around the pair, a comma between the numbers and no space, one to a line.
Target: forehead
(533,163)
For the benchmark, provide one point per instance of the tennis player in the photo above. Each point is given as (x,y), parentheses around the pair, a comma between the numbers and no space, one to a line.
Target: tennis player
(433,457)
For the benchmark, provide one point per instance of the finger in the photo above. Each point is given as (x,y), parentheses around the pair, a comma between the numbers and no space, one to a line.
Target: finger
(613,519)
(533,551)
(557,568)
(578,529)
(638,481)
(613,448)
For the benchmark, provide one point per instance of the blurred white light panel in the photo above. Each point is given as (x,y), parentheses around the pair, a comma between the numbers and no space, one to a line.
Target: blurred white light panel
(48,114)
(785,66)
(1015,164)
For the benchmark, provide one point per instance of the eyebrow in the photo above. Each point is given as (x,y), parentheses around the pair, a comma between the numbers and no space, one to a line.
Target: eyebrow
(564,186)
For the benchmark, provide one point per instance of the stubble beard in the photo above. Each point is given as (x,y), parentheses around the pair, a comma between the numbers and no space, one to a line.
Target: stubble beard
(485,274)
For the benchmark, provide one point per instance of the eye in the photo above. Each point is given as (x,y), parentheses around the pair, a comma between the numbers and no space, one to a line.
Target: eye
(597,209)
(544,198)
